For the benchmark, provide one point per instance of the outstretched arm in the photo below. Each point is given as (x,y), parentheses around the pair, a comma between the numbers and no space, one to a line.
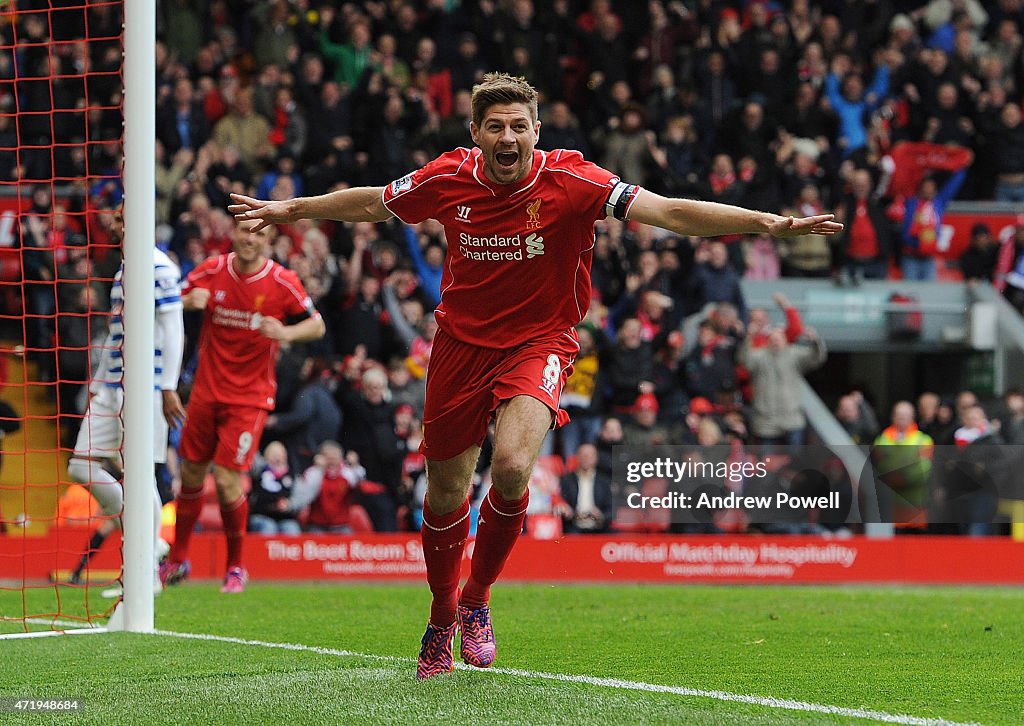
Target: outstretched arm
(358,204)
(709,219)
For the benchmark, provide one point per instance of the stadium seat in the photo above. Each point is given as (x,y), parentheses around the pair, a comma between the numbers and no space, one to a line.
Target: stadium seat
(645,521)
(654,487)
(553,464)
(627,519)
(404,517)
(209,517)
(10,265)
(359,520)
(210,487)
(544,526)
(946,272)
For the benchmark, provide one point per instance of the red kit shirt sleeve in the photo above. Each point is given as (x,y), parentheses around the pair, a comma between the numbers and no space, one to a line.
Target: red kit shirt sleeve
(413,198)
(202,276)
(296,299)
(586,183)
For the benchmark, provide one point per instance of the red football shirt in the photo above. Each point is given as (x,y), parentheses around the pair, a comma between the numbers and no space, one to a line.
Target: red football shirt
(236,362)
(518,264)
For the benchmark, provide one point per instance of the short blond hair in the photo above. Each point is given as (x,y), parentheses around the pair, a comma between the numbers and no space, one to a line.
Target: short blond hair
(502,88)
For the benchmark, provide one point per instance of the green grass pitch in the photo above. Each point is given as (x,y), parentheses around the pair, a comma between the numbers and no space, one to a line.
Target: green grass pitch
(948,654)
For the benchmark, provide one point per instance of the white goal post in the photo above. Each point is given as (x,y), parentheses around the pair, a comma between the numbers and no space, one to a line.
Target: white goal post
(135,612)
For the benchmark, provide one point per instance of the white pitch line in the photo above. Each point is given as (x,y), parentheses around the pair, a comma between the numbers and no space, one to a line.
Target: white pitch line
(767,702)
(70,623)
(52,633)
(50,621)
(75,627)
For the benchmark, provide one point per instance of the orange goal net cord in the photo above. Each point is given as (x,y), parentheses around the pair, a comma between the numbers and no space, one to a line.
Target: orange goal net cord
(61,157)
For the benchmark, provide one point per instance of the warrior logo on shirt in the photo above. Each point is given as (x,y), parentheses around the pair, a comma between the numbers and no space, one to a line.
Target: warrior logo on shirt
(533,210)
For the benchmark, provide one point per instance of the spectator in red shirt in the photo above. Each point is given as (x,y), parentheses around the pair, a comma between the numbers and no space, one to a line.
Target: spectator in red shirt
(866,243)
(332,481)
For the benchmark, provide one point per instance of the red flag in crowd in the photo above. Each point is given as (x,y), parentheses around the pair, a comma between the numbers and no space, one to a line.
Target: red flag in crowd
(915,159)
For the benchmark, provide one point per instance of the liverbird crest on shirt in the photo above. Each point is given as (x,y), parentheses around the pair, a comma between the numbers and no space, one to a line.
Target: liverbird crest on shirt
(533,209)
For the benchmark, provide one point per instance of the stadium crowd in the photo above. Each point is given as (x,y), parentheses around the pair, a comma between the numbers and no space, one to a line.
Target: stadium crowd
(795,107)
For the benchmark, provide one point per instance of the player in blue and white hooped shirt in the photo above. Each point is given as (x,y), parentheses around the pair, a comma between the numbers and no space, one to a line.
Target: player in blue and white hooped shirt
(97,450)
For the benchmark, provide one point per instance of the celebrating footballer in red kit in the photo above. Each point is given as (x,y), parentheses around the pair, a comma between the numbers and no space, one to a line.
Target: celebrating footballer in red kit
(245,298)
(520,229)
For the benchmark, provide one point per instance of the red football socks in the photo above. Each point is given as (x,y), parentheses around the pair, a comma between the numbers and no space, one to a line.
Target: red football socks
(444,541)
(188,507)
(235,517)
(499,526)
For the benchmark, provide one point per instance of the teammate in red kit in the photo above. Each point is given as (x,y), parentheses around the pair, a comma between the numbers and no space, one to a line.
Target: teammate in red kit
(246,299)
(516,282)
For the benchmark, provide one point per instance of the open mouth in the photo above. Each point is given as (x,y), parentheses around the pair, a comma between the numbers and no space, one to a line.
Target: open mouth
(507,158)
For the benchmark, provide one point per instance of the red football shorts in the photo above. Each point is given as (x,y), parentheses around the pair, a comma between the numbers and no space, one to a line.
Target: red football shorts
(467,383)
(227,434)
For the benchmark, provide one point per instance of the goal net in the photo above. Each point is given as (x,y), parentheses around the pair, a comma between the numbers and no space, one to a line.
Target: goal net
(61,156)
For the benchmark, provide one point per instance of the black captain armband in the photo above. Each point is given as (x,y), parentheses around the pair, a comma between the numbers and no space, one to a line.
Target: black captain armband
(622,195)
(309,312)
